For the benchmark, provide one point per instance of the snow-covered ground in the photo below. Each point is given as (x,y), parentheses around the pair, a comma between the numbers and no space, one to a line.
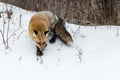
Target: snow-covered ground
(95,54)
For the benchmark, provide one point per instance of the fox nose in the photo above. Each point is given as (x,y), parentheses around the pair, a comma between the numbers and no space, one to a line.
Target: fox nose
(42,49)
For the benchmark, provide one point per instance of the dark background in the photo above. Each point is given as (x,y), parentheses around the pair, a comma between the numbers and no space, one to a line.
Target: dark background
(84,12)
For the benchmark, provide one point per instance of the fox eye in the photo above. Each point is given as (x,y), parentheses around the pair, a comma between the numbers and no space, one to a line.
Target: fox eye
(35,32)
(46,32)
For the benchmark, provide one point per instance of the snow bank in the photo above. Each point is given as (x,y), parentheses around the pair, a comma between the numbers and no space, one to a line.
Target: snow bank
(95,54)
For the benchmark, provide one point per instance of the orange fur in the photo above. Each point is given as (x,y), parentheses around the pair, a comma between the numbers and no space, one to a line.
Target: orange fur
(41,23)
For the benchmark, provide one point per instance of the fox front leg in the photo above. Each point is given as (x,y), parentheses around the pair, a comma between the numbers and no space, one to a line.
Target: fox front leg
(39,52)
(53,39)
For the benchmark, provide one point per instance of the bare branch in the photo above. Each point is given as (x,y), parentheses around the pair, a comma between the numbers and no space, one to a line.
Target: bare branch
(7,34)
(13,33)
(21,34)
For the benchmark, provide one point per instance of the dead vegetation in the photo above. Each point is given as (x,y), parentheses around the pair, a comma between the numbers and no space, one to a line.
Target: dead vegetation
(83,12)
(6,17)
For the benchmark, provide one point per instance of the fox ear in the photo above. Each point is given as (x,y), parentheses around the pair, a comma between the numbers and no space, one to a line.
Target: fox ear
(35,32)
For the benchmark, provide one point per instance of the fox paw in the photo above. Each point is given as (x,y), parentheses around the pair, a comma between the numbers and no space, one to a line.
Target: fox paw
(40,53)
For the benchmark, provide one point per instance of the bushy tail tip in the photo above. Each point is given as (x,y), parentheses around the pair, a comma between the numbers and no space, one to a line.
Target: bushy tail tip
(69,43)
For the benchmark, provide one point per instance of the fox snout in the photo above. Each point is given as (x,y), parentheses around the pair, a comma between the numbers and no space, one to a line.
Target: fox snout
(42,46)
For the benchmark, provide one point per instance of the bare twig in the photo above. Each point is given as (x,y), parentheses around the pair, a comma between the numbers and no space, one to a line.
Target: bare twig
(3,38)
(6,7)
(20,20)
(1,33)
(13,33)
(3,29)
(77,31)
(21,34)
(7,46)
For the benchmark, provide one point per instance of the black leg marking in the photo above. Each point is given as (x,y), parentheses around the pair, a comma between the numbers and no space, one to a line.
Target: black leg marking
(39,52)
(53,39)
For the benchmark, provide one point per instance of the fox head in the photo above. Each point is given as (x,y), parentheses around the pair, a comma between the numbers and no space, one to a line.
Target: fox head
(38,31)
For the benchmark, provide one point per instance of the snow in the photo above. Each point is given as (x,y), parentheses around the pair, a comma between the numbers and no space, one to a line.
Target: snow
(95,54)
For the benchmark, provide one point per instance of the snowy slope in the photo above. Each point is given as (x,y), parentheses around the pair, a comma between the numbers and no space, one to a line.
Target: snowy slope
(95,54)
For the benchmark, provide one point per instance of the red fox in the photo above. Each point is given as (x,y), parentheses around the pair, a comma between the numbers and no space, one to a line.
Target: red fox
(41,24)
